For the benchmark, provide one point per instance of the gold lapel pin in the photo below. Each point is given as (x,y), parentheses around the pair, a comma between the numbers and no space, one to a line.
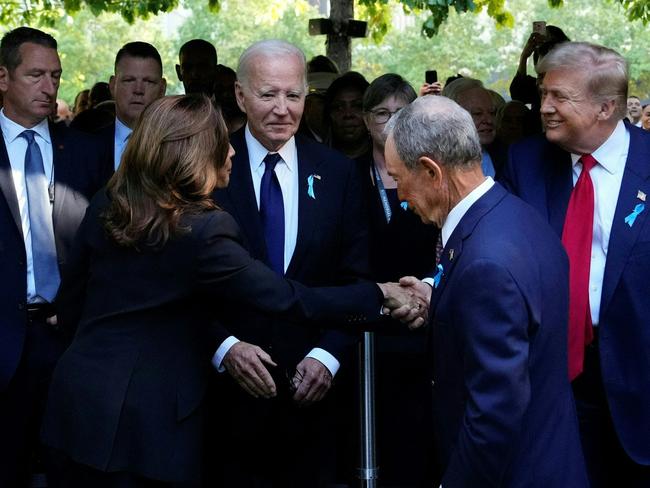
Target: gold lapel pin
(317,177)
(641,195)
(451,255)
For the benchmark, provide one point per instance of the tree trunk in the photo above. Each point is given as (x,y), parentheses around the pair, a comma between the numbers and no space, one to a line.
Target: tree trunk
(339,45)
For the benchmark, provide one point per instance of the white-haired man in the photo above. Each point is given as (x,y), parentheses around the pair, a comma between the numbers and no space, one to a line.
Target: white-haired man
(299,206)
(502,404)
(589,176)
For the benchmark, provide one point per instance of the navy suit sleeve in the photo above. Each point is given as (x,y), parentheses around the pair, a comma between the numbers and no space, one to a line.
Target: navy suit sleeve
(493,315)
(226,271)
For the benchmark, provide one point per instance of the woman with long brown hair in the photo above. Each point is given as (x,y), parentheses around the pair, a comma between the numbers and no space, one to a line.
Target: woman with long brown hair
(156,263)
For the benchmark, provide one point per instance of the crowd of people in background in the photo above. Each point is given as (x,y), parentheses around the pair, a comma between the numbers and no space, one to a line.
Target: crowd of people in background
(157,350)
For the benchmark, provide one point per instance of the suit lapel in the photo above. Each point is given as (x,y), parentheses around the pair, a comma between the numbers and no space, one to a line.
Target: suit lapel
(242,195)
(61,167)
(308,163)
(559,184)
(453,249)
(7,187)
(622,237)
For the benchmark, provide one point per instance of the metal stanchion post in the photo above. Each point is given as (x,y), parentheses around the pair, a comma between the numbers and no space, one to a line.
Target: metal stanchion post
(368,472)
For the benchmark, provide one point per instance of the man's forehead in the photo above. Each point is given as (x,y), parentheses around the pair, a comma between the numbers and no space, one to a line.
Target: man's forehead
(32,53)
(135,65)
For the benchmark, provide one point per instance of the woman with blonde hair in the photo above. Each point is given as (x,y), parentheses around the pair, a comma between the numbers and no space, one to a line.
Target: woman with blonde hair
(156,264)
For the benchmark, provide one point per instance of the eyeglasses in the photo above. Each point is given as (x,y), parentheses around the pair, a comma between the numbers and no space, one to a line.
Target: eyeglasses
(381,115)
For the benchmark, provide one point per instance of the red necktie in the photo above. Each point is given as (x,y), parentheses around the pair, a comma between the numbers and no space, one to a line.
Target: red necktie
(577,237)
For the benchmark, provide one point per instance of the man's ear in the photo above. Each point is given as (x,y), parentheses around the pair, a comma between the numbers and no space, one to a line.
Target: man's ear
(431,169)
(4,78)
(163,87)
(607,110)
(111,86)
(178,72)
(239,94)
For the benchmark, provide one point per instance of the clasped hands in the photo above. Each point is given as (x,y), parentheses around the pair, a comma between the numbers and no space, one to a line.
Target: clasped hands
(407,301)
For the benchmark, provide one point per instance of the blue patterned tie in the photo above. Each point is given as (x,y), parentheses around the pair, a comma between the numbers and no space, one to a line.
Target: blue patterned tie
(272,213)
(46,269)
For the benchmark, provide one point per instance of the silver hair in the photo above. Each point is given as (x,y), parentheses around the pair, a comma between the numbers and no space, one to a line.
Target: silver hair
(454,89)
(268,48)
(607,71)
(436,127)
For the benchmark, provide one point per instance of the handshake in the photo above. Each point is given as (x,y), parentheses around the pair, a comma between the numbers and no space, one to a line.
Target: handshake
(407,301)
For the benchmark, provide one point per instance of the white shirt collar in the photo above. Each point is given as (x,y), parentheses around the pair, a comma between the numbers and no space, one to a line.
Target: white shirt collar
(257,152)
(609,152)
(462,207)
(122,132)
(12,130)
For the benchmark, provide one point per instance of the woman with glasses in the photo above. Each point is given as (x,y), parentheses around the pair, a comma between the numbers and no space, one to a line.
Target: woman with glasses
(400,245)
(156,263)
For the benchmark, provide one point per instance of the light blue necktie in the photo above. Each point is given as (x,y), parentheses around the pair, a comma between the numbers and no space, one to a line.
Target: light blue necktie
(46,269)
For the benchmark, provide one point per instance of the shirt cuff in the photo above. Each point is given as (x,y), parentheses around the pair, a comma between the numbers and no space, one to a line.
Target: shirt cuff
(428,281)
(329,361)
(225,346)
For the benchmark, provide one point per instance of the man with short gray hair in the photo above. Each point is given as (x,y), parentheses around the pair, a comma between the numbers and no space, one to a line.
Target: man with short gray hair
(299,205)
(589,176)
(502,404)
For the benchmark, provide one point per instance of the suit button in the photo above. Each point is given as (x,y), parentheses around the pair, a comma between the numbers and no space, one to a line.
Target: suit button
(433,383)
(21,306)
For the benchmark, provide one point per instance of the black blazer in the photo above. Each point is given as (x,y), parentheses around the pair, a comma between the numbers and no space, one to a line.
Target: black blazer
(126,393)
(331,247)
(79,172)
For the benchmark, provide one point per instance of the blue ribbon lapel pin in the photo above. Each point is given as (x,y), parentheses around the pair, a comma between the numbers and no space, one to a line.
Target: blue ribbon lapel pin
(438,276)
(629,220)
(310,185)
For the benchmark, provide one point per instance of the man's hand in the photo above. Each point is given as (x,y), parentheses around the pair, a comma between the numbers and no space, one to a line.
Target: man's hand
(245,363)
(404,305)
(414,317)
(396,296)
(431,89)
(312,381)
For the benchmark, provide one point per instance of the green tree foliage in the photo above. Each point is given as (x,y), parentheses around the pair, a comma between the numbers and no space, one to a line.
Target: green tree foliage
(467,43)
(240,23)
(475,46)
(49,11)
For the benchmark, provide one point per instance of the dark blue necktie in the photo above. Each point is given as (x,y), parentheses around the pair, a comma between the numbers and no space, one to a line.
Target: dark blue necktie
(272,213)
(46,269)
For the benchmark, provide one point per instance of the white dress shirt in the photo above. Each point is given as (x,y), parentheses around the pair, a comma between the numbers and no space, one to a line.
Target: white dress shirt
(287,173)
(16,149)
(606,177)
(458,212)
(122,134)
